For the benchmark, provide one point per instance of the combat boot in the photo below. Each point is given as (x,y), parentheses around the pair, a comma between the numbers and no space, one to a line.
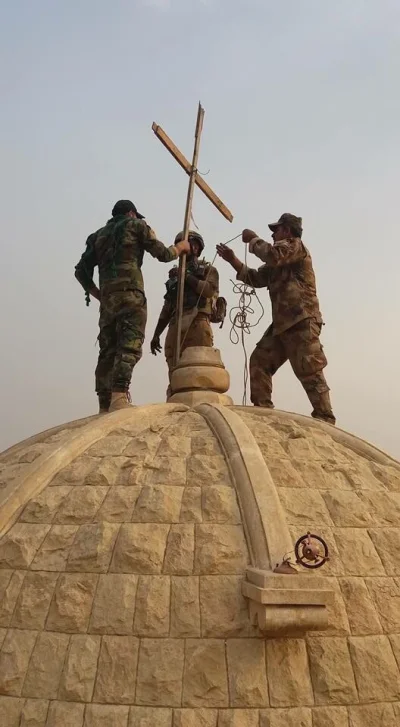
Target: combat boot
(104,403)
(119,400)
(322,407)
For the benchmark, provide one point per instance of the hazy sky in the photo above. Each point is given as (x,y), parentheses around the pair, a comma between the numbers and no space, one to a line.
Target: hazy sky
(302,115)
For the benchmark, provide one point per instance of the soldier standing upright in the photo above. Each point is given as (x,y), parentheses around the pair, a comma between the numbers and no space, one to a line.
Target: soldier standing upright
(117,249)
(200,294)
(296,318)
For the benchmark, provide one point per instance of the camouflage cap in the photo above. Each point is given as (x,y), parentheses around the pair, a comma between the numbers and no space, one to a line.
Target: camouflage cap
(288,219)
(123,206)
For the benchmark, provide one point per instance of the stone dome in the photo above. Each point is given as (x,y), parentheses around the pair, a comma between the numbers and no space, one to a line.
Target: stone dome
(138,581)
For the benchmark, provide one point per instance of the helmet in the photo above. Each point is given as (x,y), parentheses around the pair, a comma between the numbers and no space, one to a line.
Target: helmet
(193,237)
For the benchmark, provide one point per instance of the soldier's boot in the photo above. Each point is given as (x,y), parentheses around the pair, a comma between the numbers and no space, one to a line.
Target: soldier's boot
(322,406)
(104,403)
(119,400)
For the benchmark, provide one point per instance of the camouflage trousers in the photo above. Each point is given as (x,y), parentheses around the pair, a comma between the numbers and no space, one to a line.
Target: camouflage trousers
(302,347)
(199,333)
(123,317)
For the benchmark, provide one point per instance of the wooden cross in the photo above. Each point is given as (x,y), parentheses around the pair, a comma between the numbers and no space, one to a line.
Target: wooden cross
(194,178)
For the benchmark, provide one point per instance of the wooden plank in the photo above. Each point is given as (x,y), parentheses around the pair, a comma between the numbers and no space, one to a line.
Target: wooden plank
(185,164)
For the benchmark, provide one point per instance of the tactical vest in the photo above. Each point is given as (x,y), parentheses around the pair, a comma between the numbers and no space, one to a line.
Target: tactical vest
(190,297)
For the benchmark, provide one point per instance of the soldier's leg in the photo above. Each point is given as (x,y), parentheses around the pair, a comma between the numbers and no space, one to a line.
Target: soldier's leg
(130,330)
(308,360)
(199,333)
(268,356)
(105,363)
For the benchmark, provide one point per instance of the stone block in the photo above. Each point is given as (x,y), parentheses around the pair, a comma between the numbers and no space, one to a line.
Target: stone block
(119,504)
(238,718)
(376,672)
(283,473)
(114,604)
(330,717)
(288,673)
(209,470)
(174,446)
(93,546)
(109,471)
(41,509)
(179,556)
(20,545)
(374,715)
(101,715)
(45,667)
(334,566)
(140,548)
(205,444)
(53,554)
(116,675)
(160,670)
(195,718)
(331,671)
(395,642)
(304,507)
(152,606)
(81,505)
(150,717)
(219,505)
(205,681)
(10,586)
(143,446)
(185,606)
(362,615)
(296,717)
(14,660)
(347,509)
(385,594)
(34,600)
(158,504)
(357,552)
(34,713)
(224,610)
(10,711)
(80,669)
(75,473)
(247,673)
(191,511)
(387,543)
(72,603)
(165,471)
(220,549)
(3,634)
(110,446)
(65,714)
(389,476)
(383,506)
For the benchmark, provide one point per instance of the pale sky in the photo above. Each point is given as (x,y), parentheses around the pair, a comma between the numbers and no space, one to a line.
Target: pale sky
(302,115)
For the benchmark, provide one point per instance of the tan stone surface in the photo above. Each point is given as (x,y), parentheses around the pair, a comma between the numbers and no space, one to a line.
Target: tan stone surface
(387,543)
(114,604)
(220,549)
(92,548)
(205,682)
(14,660)
(72,602)
(80,669)
(34,600)
(395,642)
(53,554)
(224,610)
(65,714)
(331,671)
(34,713)
(20,545)
(238,718)
(376,715)
(166,471)
(159,679)
(195,718)
(247,673)
(347,509)
(119,504)
(376,672)
(185,606)
(357,552)
(383,506)
(174,446)
(140,548)
(330,717)
(150,717)
(219,505)
(204,471)
(385,594)
(81,505)
(179,556)
(191,505)
(363,616)
(152,613)
(75,472)
(10,711)
(110,446)
(43,508)
(116,675)
(3,634)
(143,446)
(283,472)
(205,444)
(304,507)
(108,471)
(288,673)
(158,504)
(334,566)
(296,717)
(46,665)
(10,585)
(101,715)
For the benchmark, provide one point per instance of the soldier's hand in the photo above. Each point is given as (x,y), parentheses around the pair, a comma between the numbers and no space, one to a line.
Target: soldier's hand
(226,253)
(155,346)
(248,235)
(183,246)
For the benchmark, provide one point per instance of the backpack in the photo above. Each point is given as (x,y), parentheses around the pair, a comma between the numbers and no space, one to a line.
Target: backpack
(218,311)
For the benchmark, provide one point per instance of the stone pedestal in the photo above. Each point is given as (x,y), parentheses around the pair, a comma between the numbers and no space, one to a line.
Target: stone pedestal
(200,377)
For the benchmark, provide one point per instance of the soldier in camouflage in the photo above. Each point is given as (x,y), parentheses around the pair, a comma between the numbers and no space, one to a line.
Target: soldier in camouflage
(201,288)
(296,318)
(117,249)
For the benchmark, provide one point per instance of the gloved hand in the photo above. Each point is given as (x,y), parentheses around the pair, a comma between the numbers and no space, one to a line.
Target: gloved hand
(155,345)
(248,235)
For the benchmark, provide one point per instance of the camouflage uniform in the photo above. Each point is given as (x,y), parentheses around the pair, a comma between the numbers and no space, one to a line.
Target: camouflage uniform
(118,250)
(294,334)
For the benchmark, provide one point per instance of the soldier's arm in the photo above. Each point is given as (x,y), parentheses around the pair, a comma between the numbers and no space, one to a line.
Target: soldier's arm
(84,270)
(155,247)
(255,278)
(285,252)
(206,288)
(162,323)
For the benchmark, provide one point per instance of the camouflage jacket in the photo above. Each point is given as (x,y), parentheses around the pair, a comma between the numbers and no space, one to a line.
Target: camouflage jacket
(117,249)
(289,276)
(201,286)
